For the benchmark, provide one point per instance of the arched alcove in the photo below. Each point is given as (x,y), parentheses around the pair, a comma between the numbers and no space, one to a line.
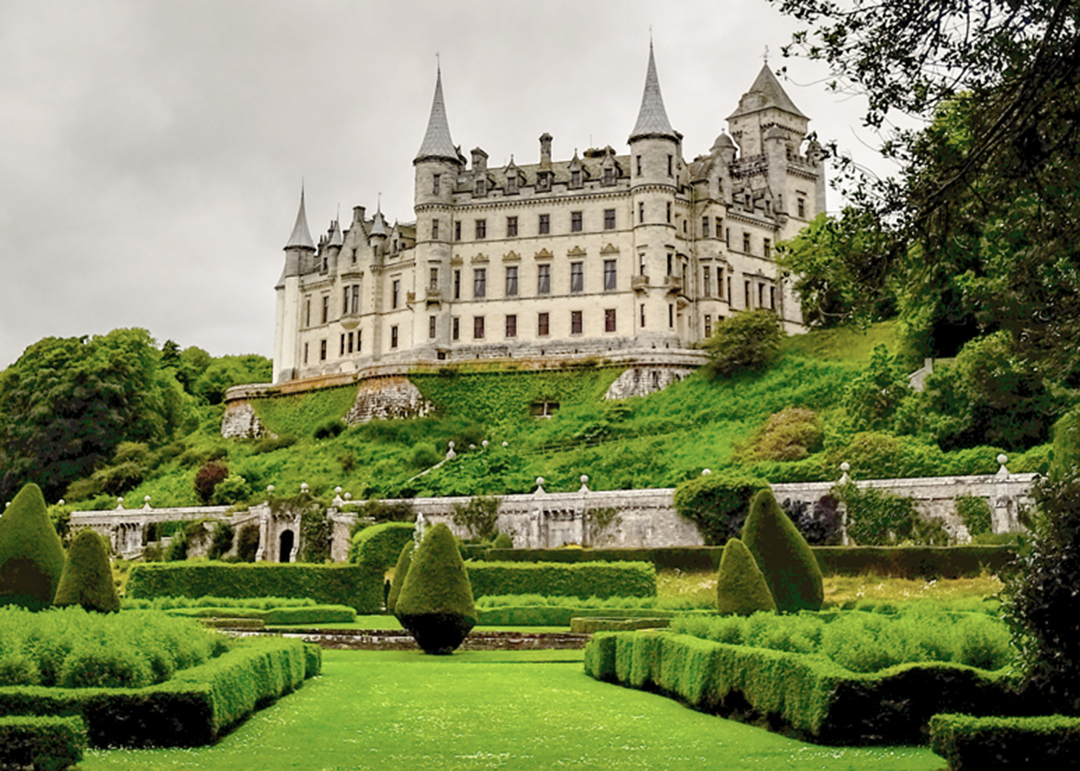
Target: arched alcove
(287,540)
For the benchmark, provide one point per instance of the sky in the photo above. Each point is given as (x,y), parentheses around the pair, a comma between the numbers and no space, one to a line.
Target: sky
(152,153)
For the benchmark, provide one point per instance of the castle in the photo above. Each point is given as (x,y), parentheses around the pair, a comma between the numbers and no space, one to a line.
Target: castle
(603,255)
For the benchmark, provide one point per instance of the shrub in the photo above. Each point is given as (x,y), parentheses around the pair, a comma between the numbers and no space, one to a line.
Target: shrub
(749,340)
(503,541)
(271,443)
(119,478)
(103,666)
(975,513)
(382,511)
(87,579)
(329,429)
(792,434)
(784,556)
(46,743)
(877,517)
(819,523)
(740,586)
(221,542)
(232,489)
(247,544)
(478,516)
(1066,448)
(573,579)
(717,503)
(424,455)
(436,601)
(968,742)
(380,545)
(400,571)
(207,479)
(872,398)
(31,555)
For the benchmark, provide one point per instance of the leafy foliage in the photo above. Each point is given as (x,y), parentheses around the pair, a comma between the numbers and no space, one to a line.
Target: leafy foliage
(975,513)
(207,479)
(436,601)
(747,341)
(792,434)
(718,503)
(31,556)
(479,516)
(877,517)
(871,400)
(87,579)
(401,569)
(740,585)
(783,555)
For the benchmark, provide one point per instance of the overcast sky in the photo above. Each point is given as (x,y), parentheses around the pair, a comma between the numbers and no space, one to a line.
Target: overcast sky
(153,152)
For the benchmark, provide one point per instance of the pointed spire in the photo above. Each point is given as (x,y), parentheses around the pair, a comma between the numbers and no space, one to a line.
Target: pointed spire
(437,142)
(378,224)
(336,239)
(766,92)
(652,118)
(301,236)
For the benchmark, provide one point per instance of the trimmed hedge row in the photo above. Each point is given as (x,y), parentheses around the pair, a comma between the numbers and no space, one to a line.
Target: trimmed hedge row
(358,586)
(813,697)
(306,614)
(555,615)
(1005,742)
(608,624)
(46,743)
(555,579)
(898,561)
(380,545)
(193,708)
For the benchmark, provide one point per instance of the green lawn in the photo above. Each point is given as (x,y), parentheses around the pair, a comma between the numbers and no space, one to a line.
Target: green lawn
(404,710)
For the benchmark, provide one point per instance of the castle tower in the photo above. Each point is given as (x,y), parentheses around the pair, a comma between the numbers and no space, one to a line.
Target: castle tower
(654,163)
(287,311)
(436,169)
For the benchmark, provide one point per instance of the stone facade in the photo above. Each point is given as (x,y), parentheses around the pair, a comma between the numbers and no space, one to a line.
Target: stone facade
(606,253)
(241,422)
(387,397)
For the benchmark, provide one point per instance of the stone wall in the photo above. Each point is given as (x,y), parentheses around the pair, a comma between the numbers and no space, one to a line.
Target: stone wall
(241,422)
(642,381)
(390,397)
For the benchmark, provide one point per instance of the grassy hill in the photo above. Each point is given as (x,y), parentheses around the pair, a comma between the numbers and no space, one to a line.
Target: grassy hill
(653,441)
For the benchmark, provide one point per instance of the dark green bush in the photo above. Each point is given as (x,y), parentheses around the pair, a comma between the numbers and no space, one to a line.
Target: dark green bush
(578,579)
(747,341)
(975,513)
(358,586)
(118,479)
(1066,448)
(380,545)
(877,517)
(784,556)
(247,543)
(87,579)
(502,541)
(383,511)
(46,743)
(271,443)
(329,429)
(792,434)
(436,601)
(718,503)
(31,555)
(740,586)
(207,479)
(914,561)
(968,742)
(221,542)
(424,455)
(401,569)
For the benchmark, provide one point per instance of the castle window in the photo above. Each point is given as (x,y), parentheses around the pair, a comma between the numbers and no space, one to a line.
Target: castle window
(671,315)
(305,352)
(577,278)
(359,339)
(706,286)
(350,342)
(729,290)
(609,320)
(342,353)
(761,295)
(344,301)
(478,328)
(433,280)
(455,328)
(704,227)
(641,261)
(575,222)
(719,227)
(708,325)
(543,181)
(393,336)
(670,263)
(801,203)
(727,238)
(395,293)
(457,230)
(609,176)
(542,325)
(746,293)
(575,178)
(669,212)
(457,284)
(643,316)
(511,227)
(575,322)
(670,160)
(435,184)
(481,229)
(512,184)
(354,306)
(511,325)
(772,297)
(325,308)
(609,276)
(543,279)
(325,264)
(746,242)
(434,230)
(481,188)
(766,247)
(640,211)
(322,349)
(479,283)
(638,160)
(354,255)
(431,327)
(511,281)
(545,224)
(609,219)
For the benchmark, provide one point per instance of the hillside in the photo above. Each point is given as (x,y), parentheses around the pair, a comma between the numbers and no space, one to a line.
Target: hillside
(653,441)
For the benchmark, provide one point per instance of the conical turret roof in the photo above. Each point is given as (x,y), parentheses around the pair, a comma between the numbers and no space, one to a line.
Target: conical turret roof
(652,117)
(764,93)
(378,225)
(336,239)
(301,236)
(437,142)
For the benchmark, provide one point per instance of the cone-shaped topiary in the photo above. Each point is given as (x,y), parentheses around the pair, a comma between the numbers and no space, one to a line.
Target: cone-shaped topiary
(404,562)
(31,556)
(784,556)
(87,578)
(740,586)
(436,601)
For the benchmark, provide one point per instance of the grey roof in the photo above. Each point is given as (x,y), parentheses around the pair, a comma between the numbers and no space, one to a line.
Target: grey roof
(301,237)
(437,142)
(336,239)
(378,225)
(766,92)
(652,118)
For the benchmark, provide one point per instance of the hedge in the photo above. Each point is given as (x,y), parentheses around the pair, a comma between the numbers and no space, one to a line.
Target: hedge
(46,743)
(380,545)
(555,579)
(898,561)
(193,708)
(608,624)
(358,586)
(305,614)
(1005,742)
(809,696)
(556,615)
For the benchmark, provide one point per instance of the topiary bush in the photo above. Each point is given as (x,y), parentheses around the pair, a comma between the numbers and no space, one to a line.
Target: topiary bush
(31,555)
(740,585)
(380,545)
(789,566)
(400,571)
(87,579)
(436,601)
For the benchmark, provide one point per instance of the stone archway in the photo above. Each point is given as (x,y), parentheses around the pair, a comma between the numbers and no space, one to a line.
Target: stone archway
(286,545)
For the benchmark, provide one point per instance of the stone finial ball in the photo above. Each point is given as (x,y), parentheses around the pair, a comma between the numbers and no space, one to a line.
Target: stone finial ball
(348,496)
(484,444)
(269,488)
(584,478)
(506,444)
(60,502)
(472,446)
(705,472)
(539,481)
(119,500)
(303,487)
(337,490)
(450,444)
(845,467)
(1002,459)
(146,499)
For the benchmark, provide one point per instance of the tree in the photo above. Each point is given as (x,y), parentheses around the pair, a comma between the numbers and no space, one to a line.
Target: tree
(87,579)
(789,566)
(872,398)
(749,340)
(31,555)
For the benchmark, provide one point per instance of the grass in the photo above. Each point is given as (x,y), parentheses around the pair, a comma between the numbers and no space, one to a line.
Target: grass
(398,710)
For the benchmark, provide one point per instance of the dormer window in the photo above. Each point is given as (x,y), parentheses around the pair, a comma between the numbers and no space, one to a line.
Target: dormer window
(609,176)
(512,184)
(481,188)
(543,181)
(575,178)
